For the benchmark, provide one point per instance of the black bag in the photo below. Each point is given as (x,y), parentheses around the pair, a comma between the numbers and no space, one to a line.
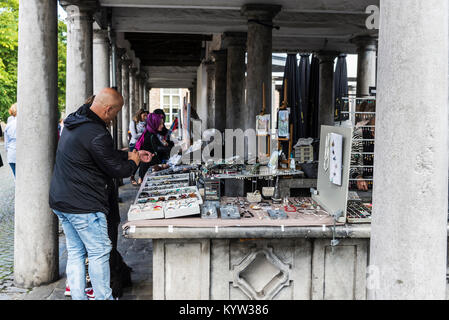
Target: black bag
(120,272)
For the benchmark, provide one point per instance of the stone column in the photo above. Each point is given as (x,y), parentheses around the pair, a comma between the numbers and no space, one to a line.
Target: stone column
(126,98)
(101,60)
(259,59)
(132,92)
(409,222)
(235,44)
(36,247)
(220,58)
(326,103)
(193,94)
(141,88)
(79,74)
(366,64)
(119,115)
(210,70)
(146,96)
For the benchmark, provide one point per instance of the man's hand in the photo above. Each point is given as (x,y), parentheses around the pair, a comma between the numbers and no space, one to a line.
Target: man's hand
(134,156)
(361,184)
(145,156)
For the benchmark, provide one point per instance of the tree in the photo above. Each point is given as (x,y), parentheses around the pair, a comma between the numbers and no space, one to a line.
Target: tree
(9,42)
(9,24)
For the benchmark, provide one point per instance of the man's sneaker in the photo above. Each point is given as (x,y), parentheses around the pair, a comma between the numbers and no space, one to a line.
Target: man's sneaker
(67,292)
(90,293)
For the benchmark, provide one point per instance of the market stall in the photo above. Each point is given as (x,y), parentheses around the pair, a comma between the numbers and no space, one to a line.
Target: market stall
(262,245)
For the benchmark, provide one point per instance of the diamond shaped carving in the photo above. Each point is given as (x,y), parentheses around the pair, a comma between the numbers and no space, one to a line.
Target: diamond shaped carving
(261,274)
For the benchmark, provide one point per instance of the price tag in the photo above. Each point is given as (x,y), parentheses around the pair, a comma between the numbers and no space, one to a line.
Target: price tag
(324,227)
(216,229)
(132,229)
(170,229)
(282,228)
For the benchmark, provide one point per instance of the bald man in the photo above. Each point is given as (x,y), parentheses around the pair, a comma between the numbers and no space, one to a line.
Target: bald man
(86,163)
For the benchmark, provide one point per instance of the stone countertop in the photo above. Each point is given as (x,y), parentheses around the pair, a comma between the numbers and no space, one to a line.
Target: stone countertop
(319,232)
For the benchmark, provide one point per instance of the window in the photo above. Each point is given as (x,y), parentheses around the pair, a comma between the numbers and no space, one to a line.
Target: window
(171,103)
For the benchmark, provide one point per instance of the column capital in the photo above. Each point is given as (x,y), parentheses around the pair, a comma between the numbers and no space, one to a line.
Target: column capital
(120,52)
(262,12)
(365,43)
(327,56)
(100,36)
(126,63)
(210,66)
(86,6)
(233,39)
(142,76)
(219,55)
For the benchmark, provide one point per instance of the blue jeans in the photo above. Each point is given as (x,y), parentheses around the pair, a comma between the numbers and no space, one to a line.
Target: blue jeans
(87,233)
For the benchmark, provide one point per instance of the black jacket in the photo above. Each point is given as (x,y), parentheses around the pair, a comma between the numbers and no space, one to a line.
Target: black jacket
(86,162)
(152,144)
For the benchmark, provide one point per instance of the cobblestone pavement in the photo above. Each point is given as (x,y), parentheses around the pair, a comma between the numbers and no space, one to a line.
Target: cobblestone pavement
(6,226)
(136,253)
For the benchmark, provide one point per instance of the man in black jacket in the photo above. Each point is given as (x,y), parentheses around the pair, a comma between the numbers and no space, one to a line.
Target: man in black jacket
(86,162)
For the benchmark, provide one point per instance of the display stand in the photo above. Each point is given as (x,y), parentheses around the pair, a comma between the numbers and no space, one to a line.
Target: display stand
(289,139)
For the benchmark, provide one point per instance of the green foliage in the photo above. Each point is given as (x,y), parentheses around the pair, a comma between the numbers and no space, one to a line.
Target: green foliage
(9,21)
(62,54)
(9,26)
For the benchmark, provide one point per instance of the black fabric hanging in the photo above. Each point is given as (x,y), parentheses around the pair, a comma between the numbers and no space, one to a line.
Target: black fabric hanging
(314,91)
(291,73)
(304,81)
(340,87)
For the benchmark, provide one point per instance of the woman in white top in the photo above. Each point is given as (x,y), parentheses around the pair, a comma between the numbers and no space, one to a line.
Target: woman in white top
(10,138)
(136,128)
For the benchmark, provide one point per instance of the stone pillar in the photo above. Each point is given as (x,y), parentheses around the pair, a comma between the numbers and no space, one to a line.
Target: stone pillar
(36,247)
(210,70)
(141,88)
(126,99)
(101,59)
(259,59)
(132,93)
(326,103)
(220,58)
(235,44)
(409,222)
(366,64)
(119,115)
(79,74)
(146,95)
(194,94)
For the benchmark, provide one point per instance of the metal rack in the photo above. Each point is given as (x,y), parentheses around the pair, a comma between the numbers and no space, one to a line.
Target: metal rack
(357,211)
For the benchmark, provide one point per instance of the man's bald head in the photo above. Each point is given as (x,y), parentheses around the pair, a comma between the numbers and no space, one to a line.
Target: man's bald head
(108,97)
(107,104)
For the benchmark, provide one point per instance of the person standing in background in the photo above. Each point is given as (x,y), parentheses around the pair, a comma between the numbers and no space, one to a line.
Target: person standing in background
(136,127)
(10,138)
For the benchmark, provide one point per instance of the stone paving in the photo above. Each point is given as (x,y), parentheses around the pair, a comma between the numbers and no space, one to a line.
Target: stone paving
(136,253)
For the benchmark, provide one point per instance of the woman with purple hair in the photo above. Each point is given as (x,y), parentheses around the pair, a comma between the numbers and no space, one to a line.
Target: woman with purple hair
(150,142)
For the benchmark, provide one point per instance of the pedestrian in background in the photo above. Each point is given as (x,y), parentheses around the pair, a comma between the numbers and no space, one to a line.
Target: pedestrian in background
(137,127)
(10,138)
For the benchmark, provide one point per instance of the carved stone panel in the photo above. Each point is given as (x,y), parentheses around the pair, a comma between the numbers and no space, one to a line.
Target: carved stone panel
(339,272)
(261,269)
(181,269)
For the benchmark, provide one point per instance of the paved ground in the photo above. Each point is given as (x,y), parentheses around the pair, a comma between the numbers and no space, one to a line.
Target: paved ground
(136,253)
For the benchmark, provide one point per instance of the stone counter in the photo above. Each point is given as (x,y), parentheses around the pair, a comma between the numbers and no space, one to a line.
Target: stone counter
(257,262)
